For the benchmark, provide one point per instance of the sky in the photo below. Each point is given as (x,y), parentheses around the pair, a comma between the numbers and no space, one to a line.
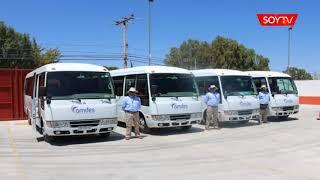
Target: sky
(87,28)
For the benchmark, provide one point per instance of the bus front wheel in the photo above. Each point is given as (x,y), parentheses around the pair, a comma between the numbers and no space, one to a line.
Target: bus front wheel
(143,125)
(48,138)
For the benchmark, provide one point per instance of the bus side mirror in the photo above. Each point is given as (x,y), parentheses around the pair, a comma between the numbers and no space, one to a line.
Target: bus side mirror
(48,100)
(153,98)
(42,91)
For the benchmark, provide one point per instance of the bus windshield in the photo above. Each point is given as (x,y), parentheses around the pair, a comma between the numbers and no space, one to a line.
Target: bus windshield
(174,85)
(282,85)
(79,85)
(237,86)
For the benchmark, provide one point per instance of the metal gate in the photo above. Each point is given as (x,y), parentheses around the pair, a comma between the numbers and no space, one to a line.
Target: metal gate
(11,93)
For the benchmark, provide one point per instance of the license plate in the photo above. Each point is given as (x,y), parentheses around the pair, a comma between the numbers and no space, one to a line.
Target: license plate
(84,127)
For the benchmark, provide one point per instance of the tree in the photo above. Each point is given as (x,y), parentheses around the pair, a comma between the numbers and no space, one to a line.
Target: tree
(18,50)
(220,53)
(298,73)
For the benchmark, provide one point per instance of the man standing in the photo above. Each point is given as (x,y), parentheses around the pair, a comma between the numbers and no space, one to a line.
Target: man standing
(264,99)
(212,100)
(131,106)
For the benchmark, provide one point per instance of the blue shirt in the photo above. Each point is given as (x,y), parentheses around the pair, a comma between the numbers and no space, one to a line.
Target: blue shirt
(131,104)
(264,97)
(212,99)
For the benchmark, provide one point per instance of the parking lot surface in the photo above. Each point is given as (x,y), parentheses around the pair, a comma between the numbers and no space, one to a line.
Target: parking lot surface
(278,150)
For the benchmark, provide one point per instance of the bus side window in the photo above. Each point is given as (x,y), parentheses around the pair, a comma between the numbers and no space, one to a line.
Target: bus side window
(118,84)
(201,85)
(142,88)
(41,83)
(130,82)
(29,87)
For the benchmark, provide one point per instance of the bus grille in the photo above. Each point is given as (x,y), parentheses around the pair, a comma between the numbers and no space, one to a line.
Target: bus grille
(246,112)
(179,117)
(84,123)
(290,108)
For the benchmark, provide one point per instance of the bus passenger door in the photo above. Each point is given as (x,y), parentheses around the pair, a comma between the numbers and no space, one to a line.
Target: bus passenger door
(40,100)
(119,89)
(34,103)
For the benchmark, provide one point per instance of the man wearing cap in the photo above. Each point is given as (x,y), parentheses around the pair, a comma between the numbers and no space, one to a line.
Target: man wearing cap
(212,100)
(264,99)
(131,106)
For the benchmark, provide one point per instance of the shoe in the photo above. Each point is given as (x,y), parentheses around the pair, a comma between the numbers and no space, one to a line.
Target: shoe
(127,138)
(138,136)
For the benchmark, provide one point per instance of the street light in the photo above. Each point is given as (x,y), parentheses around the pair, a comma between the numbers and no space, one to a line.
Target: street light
(149,30)
(289,37)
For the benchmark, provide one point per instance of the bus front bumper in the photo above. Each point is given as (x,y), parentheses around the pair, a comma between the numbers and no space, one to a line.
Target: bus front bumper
(283,111)
(79,128)
(178,121)
(223,117)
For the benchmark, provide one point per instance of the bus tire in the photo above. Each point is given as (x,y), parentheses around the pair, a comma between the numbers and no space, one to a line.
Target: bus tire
(143,127)
(204,118)
(48,138)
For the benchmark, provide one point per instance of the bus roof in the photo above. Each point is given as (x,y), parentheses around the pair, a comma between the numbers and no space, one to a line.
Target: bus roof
(54,67)
(267,74)
(149,70)
(218,72)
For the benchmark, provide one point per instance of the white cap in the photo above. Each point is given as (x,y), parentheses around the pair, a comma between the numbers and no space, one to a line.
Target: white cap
(263,86)
(212,87)
(132,89)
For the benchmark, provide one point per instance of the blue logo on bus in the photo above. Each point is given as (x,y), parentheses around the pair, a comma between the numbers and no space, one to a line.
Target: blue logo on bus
(179,106)
(82,110)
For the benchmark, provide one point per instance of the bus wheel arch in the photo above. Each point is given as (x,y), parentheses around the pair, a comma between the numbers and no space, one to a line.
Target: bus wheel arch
(143,127)
(204,117)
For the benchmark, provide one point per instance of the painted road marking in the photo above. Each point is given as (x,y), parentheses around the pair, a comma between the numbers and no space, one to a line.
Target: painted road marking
(16,154)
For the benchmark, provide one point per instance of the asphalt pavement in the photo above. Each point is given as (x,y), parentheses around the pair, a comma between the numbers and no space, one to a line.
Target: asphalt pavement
(287,149)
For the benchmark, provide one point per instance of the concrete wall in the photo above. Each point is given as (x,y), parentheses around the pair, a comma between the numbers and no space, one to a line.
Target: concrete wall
(309,91)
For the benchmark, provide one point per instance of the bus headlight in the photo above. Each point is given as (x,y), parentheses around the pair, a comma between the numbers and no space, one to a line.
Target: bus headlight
(296,107)
(108,121)
(196,115)
(160,117)
(231,113)
(57,124)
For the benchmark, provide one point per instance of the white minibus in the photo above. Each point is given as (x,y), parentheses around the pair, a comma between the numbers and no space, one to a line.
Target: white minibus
(284,95)
(238,102)
(169,96)
(63,99)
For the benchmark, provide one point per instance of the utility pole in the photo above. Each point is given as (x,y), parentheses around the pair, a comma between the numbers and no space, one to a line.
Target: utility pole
(289,38)
(149,31)
(124,22)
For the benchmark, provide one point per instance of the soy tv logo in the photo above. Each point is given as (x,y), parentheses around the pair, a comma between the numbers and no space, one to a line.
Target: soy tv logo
(277,19)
